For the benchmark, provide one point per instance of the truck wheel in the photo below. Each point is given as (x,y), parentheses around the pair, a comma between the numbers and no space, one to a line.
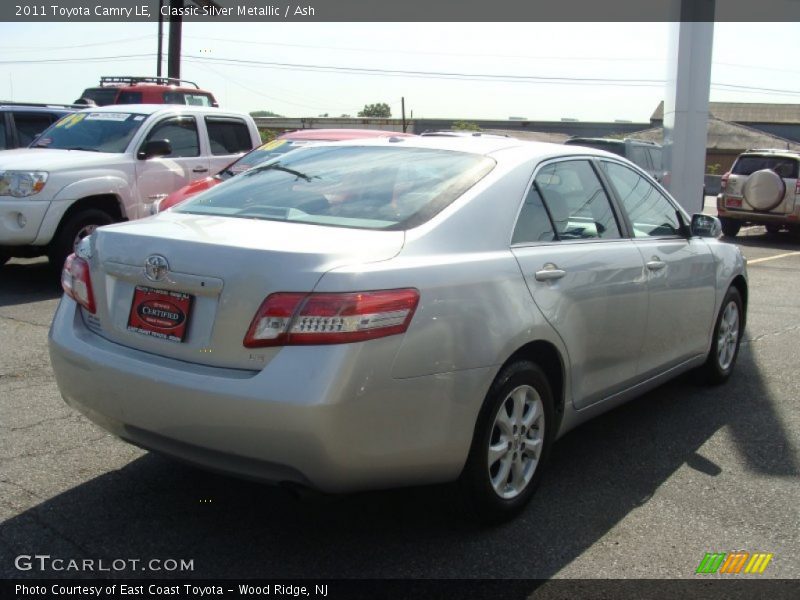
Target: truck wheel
(773,229)
(730,227)
(77,227)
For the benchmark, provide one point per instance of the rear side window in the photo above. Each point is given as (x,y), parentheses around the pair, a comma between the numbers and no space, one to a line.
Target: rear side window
(655,158)
(365,187)
(576,201)
(189,98)
(3,141)
(29,125)
(783,166)
(228,136)
(181,133)
(638,155)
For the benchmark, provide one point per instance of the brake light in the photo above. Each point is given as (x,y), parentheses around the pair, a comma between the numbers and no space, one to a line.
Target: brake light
(77,283)
(797,187)
(723,183)
(292,319)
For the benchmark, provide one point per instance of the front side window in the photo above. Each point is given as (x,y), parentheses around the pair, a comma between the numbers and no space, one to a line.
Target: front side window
(365,187)
(576,200)
(92,131)
(181,133)
(649,212)
(227,135)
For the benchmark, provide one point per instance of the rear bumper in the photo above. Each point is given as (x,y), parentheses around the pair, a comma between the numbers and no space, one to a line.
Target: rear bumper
(330,417)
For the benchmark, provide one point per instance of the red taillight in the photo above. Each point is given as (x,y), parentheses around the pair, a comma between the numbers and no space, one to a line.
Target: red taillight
(723,183)
(77,283)
(797,188)
(292,319)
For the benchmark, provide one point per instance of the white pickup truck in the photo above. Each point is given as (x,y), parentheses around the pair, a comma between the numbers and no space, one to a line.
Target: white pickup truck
(109,164)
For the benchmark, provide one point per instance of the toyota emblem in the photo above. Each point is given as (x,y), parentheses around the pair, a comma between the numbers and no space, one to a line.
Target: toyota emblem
(156,267)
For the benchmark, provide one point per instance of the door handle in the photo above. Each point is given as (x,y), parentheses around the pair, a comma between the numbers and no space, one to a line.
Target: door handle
(157,196)
(200,170)
(550,272)
(655,264)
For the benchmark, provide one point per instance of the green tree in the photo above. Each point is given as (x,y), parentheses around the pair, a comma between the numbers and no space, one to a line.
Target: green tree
(466,126)
(381,110)
(264,113)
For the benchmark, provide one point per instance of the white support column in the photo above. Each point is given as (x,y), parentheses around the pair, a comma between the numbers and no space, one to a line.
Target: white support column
(686,102)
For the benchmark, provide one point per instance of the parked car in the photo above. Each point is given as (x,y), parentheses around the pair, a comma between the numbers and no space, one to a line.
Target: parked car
(762,188)
(393,312)
(125,89)
(108,164)
(282,144)
(645,154)
(20,123)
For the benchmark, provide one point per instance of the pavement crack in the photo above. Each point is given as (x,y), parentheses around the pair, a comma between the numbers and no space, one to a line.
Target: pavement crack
(762,336)
(70,416)
(26,322)
(56,451)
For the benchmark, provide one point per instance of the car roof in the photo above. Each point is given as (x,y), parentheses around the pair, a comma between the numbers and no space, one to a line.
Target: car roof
(37,108)
(783,153)
(336,135)
(484,145)
(149,109)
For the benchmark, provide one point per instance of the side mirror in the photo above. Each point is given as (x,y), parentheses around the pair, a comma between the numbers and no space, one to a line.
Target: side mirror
(706,226)
(154,148)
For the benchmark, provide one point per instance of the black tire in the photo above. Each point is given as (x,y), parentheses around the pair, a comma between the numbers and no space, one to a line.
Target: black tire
(4,259)
(773,229)
(64,243)
(478,493)
(715,370)
(730,227)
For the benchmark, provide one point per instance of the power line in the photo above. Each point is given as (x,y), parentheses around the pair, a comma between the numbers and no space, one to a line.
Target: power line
(76,59)
(40,48)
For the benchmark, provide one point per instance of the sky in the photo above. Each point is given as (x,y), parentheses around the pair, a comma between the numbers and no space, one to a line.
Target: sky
(626,61)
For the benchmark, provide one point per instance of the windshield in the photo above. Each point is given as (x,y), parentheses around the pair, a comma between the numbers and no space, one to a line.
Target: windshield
(366,187)
(93,131)
(261,154)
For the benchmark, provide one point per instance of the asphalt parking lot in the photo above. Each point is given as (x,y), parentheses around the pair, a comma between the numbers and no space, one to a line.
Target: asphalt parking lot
(641,492)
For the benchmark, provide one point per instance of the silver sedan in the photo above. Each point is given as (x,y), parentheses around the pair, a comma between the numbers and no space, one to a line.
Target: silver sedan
(402,311)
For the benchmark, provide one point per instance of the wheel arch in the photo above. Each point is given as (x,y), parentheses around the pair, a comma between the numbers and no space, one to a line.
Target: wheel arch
(108,203)
(549,358)
(740,284)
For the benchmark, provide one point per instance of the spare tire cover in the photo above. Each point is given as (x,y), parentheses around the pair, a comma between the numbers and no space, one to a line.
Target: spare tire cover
(764,189)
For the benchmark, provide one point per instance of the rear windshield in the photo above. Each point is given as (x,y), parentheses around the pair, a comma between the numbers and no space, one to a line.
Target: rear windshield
(785,167)
(261,154)
(92,131)
(347,186)
(615,147)
(101,96)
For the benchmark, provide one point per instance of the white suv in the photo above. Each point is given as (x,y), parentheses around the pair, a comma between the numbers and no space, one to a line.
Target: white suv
(762,188)
(109,164)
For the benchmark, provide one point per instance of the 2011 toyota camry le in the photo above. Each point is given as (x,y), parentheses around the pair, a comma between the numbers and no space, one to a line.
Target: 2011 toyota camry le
(395,312)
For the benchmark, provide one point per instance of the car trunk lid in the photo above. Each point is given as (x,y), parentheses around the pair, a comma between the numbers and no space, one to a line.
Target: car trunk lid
(216,271)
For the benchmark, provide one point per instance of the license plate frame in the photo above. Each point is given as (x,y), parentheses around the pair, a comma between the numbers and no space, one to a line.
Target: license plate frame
(158,313)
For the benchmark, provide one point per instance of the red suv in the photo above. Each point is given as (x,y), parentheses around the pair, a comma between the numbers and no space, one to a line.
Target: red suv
(147,90)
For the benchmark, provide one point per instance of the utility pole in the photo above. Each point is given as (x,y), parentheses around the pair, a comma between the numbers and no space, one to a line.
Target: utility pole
(175,27)
(403,110)
(160,38)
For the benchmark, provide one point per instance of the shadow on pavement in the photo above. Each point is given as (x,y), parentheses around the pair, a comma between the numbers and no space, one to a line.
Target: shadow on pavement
(598,474)
(23,281)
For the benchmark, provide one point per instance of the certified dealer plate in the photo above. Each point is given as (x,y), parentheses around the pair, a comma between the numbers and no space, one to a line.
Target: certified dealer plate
(160,313)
